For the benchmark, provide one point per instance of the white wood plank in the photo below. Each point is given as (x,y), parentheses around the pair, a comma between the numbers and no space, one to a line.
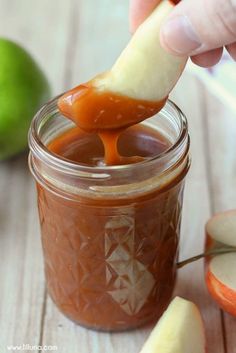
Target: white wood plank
(189,95)
(101,32)
(222,147)
(21,272)
(41,27)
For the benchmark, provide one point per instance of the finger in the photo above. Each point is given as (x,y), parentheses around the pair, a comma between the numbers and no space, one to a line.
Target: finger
(194,27)
(139,10)
(209,58)
(231,48)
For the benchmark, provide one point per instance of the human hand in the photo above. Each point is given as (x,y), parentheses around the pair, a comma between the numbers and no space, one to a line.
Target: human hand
(199,28)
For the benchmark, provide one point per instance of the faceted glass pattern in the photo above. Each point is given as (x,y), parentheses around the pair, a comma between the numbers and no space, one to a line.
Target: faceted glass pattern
(111,267)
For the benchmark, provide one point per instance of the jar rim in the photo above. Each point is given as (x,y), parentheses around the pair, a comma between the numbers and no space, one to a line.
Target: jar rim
(37,147)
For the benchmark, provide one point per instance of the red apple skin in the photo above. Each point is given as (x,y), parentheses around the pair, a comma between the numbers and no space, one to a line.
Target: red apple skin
(224,296)
(210,243)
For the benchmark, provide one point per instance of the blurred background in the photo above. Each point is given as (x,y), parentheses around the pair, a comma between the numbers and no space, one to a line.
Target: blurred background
(72,41)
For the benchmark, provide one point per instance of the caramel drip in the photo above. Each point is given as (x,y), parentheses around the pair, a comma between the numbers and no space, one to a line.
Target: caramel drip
(107,114)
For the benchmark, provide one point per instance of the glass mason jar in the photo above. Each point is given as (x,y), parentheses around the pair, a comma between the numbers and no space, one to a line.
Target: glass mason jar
(110,234)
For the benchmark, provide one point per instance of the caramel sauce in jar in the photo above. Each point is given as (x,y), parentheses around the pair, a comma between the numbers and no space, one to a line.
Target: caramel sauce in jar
(110,233)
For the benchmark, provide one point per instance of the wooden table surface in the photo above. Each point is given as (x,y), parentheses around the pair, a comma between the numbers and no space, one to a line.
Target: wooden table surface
(73,40)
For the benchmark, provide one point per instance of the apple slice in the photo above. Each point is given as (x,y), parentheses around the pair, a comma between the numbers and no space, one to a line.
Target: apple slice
(220,269)
(221,228)
(135,88)
(144,70)
(180,330)
(221,281)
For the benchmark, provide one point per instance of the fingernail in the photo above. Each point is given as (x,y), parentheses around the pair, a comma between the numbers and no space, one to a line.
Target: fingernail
(179,35)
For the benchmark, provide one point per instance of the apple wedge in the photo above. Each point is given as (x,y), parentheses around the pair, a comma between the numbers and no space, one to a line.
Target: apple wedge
(180,330)
(144,70)
(220,269)
(221,229)
(134,89)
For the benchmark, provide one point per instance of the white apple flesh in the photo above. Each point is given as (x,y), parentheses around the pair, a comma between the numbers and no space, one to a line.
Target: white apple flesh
(134,89)
(180,330)
(220,269)
(144,69)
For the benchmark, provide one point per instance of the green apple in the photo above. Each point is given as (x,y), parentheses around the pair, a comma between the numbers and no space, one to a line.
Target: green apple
(23,88)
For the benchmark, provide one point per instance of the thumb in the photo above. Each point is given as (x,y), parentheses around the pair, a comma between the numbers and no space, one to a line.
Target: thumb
(195,27)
